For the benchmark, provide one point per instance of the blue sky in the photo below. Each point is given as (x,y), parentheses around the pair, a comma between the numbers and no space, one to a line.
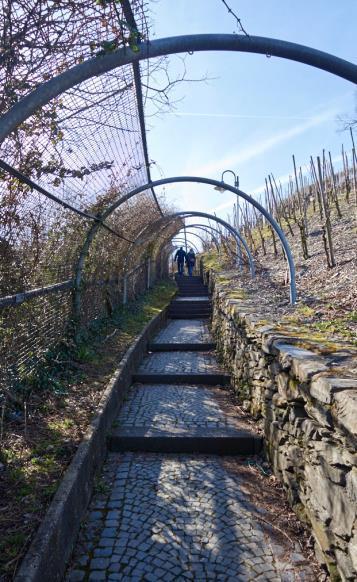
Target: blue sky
(254,112)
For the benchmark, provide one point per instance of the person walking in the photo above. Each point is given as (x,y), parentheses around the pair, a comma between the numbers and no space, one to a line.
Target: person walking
(180,257)
(190,261)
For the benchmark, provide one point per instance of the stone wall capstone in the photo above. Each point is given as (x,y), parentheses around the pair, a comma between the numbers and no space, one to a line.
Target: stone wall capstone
(306,403)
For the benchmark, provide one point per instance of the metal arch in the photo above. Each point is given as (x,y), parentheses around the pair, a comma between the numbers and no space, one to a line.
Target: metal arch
(236,234)
(139,240)
(181,240)
(207,228)
(231,229)
(166,46)
(202,239)
(239,193)
(191,234)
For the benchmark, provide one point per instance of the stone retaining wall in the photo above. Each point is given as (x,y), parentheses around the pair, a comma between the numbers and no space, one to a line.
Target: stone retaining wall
(307,405)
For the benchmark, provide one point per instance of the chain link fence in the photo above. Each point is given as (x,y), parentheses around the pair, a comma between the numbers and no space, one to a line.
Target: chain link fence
(81,153)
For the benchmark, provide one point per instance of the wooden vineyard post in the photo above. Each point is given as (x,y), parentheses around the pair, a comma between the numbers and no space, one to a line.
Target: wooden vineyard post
(270,209)
(327,225)
(301,220)
(334,188)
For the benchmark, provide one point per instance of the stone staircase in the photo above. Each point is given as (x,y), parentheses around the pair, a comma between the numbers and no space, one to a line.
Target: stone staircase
(174,504)
(178,402)
(192,300)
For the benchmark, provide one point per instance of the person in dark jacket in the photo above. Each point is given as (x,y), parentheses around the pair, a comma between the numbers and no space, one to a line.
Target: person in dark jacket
(180,257)
(190,261)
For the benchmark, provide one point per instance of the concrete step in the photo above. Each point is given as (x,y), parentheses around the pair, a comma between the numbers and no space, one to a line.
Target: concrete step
(219,379)
(184,278)
(191,311)
(192,294)
(194,298)
(190,305)
(182,418)
(179,347)
(204,441)
(192,286)
(189,308)
(189,314)
(192,283)
(198,315)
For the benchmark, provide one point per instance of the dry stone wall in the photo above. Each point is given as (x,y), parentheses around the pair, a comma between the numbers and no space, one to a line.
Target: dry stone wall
(307,405)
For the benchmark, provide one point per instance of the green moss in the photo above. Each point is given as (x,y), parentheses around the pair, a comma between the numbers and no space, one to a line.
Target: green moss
(237,294)
(320,331)
(211,261)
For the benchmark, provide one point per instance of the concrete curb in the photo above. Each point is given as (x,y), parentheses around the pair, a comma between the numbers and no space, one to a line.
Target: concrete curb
(52,545)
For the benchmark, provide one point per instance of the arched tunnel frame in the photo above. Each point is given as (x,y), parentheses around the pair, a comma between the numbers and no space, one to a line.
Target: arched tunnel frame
(187,213)
(208,229)
(166,46)
(240,194)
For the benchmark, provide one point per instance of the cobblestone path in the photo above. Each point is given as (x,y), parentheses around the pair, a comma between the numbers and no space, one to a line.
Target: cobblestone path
(175,362)
(164,516)
(184,331)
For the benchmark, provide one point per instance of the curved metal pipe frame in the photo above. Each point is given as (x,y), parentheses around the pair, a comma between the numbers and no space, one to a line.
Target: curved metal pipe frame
(237,236)
(200,237)
(208,228)
(157,234)
(203,240)
(230,228)
(167,46)
(237,192)
(238,263)
(139,240)
(182,240)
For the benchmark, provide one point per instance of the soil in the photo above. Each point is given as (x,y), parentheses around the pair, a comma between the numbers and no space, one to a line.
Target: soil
(327,297)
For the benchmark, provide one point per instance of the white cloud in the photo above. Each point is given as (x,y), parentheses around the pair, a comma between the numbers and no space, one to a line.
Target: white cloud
(235,115)
(248,153)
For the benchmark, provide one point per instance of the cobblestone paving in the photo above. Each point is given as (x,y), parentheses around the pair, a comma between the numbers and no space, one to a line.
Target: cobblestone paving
(184,331)
(180,363)
(177,517)
(176,407)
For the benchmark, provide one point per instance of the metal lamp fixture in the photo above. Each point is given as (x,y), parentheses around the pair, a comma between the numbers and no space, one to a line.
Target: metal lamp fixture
(223,188)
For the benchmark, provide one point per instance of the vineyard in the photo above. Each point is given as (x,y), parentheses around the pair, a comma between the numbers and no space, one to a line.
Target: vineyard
(317,212)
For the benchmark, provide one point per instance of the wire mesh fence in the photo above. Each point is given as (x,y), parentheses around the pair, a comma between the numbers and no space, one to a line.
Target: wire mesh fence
(86,148)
